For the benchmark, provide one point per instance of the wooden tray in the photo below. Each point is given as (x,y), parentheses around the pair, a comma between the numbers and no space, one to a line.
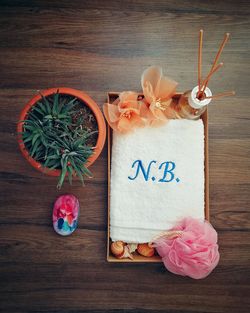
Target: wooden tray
(112,96)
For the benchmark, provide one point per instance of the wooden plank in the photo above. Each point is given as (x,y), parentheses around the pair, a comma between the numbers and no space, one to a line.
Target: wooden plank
(98,46)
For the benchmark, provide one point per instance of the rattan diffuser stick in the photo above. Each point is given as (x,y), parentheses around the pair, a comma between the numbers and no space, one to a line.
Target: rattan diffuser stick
(220,95)
(200,59)
(225,40)
(203,85)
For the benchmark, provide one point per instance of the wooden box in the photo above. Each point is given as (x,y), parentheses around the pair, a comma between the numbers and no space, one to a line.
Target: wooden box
(112,96)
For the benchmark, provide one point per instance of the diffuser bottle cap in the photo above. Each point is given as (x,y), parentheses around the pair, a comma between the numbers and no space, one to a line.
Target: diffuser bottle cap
(194,102)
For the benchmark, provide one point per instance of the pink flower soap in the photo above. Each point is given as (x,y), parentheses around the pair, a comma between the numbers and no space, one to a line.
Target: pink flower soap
(65,214)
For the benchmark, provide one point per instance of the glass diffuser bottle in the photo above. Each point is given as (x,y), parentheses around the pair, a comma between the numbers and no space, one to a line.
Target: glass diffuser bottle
(189,106)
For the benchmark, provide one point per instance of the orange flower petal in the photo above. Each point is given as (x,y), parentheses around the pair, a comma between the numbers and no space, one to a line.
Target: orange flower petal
(152,75)
(149,92)
(127,96)
(158,113)
(144,110)
(128,100)
(155,85)
(123,125)
(136,121)
(113,125)
(111,112)
(129,106)
(167,88)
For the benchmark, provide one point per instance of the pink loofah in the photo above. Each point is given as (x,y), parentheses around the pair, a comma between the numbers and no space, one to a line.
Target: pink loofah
(193,252)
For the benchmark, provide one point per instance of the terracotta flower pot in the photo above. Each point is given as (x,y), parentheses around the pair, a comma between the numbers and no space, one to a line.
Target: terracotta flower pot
(84,98)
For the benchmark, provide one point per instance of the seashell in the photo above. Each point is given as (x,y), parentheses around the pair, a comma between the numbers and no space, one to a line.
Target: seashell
(132,247)
(145,250)
(120,250)
(117,248)
(126,253)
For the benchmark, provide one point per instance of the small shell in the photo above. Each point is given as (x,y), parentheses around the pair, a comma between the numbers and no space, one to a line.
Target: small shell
(117,248)
(132,247)
(120,250)
(126,253)
(145,250)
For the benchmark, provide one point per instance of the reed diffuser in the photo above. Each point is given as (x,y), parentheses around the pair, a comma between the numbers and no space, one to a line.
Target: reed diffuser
(194,102)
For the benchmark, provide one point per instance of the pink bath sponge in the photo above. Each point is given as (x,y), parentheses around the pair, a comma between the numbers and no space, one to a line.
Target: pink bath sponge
(194,252)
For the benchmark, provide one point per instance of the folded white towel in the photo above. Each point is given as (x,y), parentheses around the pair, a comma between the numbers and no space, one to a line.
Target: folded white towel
(157,178)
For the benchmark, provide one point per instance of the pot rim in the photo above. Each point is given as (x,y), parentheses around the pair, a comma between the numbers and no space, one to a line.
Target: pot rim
(81,96)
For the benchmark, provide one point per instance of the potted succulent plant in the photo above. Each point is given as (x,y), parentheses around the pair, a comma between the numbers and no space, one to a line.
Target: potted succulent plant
(61,132)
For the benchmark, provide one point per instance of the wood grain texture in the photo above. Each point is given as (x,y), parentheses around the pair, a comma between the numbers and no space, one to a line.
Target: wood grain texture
(98,46)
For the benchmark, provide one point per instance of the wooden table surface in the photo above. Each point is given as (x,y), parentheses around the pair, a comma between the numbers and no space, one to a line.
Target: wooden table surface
(98,46)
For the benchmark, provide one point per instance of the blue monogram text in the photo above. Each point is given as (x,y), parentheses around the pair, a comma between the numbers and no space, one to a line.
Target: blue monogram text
(166,169)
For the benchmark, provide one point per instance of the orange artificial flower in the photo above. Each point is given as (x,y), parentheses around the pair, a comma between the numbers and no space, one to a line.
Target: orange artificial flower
(158,91)
(128,112)
(125,113)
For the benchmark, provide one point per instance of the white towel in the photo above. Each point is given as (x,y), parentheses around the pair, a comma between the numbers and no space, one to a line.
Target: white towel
(142,207)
